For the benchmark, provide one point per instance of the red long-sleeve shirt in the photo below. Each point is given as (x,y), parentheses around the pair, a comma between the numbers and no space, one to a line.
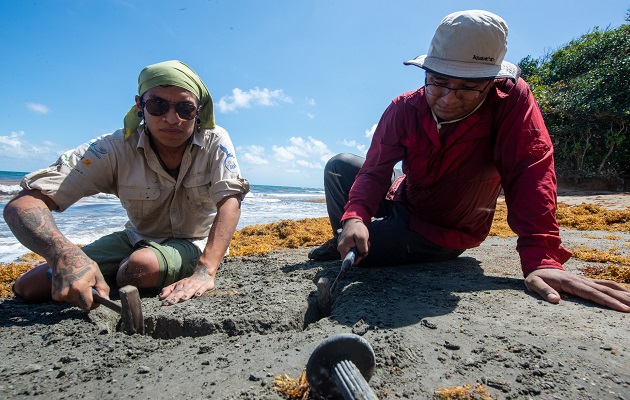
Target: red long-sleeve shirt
(451,184)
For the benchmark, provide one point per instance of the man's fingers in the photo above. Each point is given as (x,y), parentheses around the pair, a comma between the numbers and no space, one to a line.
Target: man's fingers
(101,286)
(184,291)
(85,301)
(604,293)
(166,291)
(613,285)
(361,254)
(549,282)
(539,286)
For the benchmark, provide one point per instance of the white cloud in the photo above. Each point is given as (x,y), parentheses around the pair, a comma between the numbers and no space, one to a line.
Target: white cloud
(355,145)
(283,153)
(310,102)
(308,164)
(307,153)
(253,149)
(297,161)
(15,147)
(252,154)
(256,96)
(12,140)
(38,108)
(310,115)
(254,159)
(370,132)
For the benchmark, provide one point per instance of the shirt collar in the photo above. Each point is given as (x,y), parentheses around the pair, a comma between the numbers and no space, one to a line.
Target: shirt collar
(439,124)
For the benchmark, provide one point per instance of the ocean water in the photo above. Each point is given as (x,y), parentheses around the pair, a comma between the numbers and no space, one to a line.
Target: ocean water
(98,215)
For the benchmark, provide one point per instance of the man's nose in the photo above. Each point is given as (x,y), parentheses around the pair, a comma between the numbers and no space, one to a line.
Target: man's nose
(171,116)
(450,97)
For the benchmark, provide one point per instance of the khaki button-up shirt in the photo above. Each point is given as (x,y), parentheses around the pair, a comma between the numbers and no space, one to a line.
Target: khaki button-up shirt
(159,206)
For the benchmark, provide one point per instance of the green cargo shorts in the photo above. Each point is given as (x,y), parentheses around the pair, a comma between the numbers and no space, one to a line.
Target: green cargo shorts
(177,257)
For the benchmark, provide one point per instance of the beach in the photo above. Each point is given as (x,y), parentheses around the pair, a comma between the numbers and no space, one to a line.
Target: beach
(432,326)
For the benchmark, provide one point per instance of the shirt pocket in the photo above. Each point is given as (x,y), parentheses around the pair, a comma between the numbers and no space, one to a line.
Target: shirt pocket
(141,202)
(198,194)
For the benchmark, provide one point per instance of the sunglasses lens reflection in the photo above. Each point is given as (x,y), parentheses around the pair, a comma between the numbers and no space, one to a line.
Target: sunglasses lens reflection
(158,107)
(186,110)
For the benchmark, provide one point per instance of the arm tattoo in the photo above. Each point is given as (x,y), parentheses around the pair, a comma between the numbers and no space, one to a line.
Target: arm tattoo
(36,229)
(73,264)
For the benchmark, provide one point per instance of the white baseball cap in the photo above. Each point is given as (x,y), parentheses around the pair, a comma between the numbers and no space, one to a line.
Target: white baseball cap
(470,45)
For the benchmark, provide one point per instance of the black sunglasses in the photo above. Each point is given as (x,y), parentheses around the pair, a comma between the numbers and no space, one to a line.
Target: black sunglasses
(157,107)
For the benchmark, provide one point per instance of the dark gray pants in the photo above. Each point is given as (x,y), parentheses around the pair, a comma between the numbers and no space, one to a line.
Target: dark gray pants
(391,240)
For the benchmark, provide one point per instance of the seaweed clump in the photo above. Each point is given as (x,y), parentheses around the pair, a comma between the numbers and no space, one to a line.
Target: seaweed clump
(295,389)
(11,271)
(616,266)
(262,239)
(585,217)
(466,392)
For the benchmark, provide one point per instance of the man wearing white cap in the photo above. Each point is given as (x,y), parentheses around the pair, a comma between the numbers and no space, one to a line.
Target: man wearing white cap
(473,129)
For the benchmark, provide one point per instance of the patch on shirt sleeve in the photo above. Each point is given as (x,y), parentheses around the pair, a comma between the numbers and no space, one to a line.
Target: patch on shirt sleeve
(230,161)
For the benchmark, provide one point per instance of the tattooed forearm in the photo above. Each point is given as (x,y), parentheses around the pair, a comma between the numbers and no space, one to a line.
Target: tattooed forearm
(36,229)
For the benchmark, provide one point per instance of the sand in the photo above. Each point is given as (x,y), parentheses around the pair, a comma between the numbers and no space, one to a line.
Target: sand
(431,326)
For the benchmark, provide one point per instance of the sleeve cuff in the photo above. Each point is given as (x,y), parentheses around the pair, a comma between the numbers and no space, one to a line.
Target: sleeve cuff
(229,187)
(357,212)
(534,258)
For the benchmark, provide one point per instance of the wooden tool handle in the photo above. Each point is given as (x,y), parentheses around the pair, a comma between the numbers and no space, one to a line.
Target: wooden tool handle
(106,302)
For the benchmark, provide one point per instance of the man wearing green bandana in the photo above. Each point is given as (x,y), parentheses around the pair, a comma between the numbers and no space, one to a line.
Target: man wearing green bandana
(175,174)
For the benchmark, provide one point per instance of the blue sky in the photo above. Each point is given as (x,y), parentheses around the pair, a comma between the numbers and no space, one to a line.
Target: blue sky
(294,82)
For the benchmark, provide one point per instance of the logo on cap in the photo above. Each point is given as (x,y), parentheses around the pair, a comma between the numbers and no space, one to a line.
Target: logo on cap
(479,58)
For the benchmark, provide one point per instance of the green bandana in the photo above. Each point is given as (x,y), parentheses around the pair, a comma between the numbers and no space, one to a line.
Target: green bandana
(174,73)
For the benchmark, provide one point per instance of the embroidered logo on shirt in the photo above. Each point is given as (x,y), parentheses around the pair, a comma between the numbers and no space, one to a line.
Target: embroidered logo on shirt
(230,161)
(66,161)
(87,162)
(96,151)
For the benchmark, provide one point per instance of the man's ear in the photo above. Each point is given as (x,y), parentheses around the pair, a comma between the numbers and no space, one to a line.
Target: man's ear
(138,104)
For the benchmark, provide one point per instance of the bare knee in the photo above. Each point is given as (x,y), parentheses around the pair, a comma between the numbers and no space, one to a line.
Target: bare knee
(141,269)
(33,285)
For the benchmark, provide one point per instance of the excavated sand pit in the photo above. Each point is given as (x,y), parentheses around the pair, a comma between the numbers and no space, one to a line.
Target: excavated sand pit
(249,299)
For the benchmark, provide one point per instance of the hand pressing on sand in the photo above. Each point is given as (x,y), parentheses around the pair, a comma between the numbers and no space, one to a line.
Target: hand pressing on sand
(202,280)
(193,286)
(548,283)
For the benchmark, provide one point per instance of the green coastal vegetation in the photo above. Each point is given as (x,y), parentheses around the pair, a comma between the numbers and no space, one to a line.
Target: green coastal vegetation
(583,92)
